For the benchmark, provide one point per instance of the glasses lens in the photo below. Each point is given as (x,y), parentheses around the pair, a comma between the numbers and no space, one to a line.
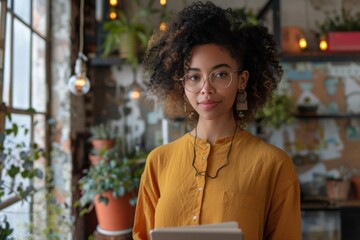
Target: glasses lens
(193,81)
(220,79)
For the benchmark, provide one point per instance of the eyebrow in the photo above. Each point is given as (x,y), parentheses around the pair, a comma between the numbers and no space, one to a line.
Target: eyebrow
(213,68)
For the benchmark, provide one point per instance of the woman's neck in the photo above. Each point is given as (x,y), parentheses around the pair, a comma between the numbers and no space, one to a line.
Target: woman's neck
(213,130)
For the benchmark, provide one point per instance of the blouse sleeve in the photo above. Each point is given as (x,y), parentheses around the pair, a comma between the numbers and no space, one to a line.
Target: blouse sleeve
(146,204)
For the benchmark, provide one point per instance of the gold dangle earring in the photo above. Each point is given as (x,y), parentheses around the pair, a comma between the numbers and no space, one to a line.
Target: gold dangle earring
(185,104)
(191,112)
(241,102)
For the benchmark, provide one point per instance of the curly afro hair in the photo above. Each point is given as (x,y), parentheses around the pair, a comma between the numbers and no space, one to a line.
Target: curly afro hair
(203,23)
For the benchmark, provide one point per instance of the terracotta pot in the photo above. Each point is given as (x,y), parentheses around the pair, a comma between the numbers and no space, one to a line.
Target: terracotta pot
(337,189)
(102,144)
(117,215)
(356,185)
(95,159)
(290,36)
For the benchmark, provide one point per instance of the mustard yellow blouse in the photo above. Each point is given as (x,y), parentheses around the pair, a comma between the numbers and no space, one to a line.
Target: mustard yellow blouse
(259,188)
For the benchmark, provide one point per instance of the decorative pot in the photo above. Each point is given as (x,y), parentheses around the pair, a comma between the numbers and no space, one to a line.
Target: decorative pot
(103,144)
(117,216)
(344,41)
(356,185)
(95,159)
(337,189)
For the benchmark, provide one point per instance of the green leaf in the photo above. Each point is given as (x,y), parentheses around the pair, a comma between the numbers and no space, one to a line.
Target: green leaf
(13,171)
(15,129)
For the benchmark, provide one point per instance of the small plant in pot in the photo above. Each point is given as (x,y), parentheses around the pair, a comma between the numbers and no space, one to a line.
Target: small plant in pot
(338,183)
(111,186)
(102,137)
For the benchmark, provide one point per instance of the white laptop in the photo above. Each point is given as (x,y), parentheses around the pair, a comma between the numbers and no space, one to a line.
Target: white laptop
(220,231)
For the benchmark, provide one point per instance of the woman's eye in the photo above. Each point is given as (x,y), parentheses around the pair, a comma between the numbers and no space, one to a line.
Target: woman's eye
(220,74)
(194,77)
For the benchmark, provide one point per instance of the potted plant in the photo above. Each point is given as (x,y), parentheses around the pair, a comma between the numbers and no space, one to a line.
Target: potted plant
(338,183)
(279,111)
(307,106)
(342,31)
(111,186)
(130,32)
(102,137)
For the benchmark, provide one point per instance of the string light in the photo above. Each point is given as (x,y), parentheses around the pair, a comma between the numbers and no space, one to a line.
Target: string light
(112,15)
(162,2)
(323,45)
(302,43)
(113,3)
(163,26)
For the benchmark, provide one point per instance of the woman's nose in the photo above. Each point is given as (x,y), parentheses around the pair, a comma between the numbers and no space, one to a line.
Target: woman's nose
(207,87)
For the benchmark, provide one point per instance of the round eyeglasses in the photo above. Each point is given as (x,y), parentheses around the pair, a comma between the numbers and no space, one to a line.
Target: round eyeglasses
(195,81)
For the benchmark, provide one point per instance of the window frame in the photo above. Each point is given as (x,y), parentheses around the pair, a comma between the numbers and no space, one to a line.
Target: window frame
(7,9)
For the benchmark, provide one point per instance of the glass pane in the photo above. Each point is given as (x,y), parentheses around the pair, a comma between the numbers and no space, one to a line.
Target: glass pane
(22,9)
(12,150)
(18,215)
(39,16)
(38,74)
(6,84)
(21,66)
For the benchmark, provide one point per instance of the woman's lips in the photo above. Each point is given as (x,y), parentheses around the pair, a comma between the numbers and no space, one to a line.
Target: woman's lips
(208,104)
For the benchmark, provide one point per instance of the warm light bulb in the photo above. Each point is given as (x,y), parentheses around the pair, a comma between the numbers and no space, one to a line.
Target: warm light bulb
(112,15)
(302,43)
(162,2)
(134,94)
(135,91)
(323,45)
(163,26)
(113,2)
(79,85)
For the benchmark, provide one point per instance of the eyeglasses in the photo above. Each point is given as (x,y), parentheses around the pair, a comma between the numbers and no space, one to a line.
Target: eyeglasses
(195,81)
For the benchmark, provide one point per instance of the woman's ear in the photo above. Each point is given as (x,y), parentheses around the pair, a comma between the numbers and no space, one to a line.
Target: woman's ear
(243,79)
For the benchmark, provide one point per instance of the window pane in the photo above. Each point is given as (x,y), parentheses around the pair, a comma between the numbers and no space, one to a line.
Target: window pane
(21,66)
(39,16)
(22,9)
(6,84)
(10,143)
(38,74)
(18,215)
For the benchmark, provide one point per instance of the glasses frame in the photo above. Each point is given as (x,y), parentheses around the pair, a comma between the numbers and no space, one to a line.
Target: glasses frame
(208,77)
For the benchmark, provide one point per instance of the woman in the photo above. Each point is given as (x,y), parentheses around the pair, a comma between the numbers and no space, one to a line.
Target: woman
(222,71)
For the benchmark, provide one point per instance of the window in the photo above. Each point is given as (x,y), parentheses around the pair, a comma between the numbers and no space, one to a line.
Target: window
(24,68)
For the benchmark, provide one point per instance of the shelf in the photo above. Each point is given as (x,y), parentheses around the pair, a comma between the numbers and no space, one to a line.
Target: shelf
(320,57)
(326,204)
(327,116)
(98,61)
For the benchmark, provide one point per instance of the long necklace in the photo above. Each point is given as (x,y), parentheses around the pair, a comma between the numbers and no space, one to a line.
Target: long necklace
(204,173)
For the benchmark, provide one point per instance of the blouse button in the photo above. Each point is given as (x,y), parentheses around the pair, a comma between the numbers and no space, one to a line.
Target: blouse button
(203,158)
(200,188)
(194,217)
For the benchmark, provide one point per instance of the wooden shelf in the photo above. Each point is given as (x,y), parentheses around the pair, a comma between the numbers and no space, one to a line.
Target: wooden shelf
(326,204)
(320,57)
(98,61)
(326,116)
